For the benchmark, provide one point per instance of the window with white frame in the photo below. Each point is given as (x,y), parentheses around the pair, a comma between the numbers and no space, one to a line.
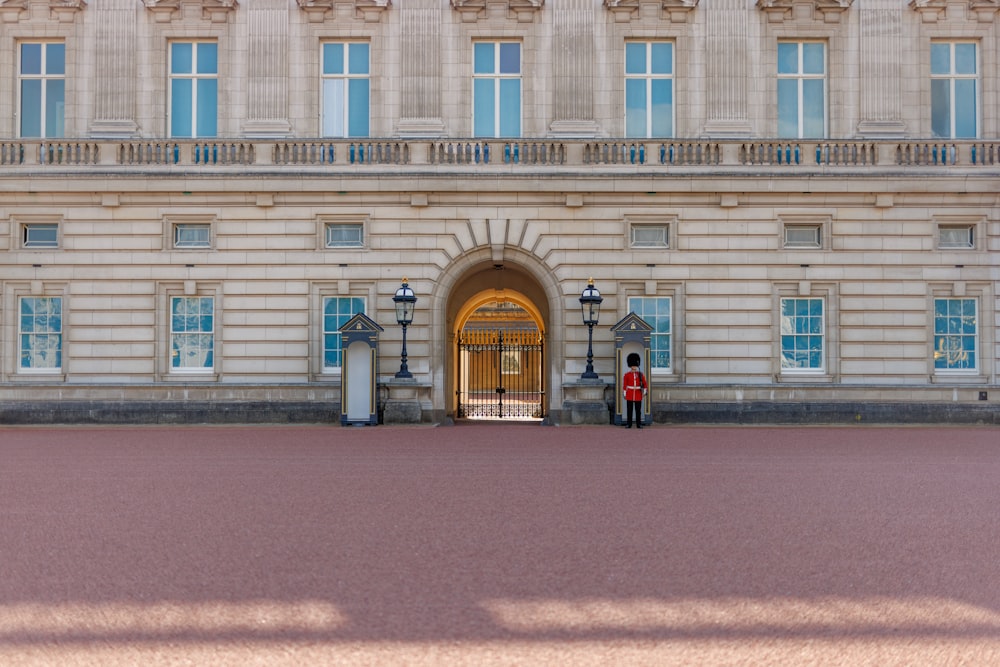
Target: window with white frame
(497,89)
(956,333)
(194,89)
(345,72)
(192,235)
(40,235)
(42,89)
(801,89)
(956,237)
(649,235)
(192,333)
(656,311)
(40,334)
(803,340)
(345,235)
(803,235)
(649,89)
(336,311)
(954,90)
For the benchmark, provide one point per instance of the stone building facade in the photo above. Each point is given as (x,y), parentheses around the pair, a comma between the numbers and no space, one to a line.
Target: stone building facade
(799,196)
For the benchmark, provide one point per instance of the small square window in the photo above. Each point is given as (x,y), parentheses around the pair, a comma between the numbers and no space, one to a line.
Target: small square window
(650,236)
(192,235)
(344,235)
(956,236)
(803,236)
(40,235)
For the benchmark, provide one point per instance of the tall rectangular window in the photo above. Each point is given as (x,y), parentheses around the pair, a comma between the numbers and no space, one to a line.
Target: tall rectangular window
(801,89)
(802,334)
(649,89)
(336,311)
(954,90)
(346,89)
(955,334)
(42,89)
(656,311)
(194,89)
(192,333)
(497,89)
(40,333)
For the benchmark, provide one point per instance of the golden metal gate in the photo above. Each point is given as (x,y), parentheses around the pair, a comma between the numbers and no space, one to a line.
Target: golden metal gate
(500,374)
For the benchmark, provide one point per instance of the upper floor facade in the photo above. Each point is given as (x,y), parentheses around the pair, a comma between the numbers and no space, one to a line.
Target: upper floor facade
(635,70)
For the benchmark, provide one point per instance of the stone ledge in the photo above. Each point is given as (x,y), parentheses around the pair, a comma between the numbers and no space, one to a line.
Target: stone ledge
(803,414)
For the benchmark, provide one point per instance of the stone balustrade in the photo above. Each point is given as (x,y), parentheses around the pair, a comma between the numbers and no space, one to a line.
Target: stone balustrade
(17,154)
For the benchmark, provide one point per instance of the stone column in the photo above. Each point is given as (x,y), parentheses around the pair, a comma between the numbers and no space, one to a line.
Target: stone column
(115,74)
(267,69)
(881,62)
(727,55)
(573,49)
(420,67)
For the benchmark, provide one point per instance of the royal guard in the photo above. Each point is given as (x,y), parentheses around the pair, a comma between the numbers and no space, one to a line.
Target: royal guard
(634,389)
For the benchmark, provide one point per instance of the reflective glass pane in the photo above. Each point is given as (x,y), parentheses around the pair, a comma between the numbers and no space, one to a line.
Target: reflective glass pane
(788,58)
(358,100)
(813,61)
(180,108)
(663,108)
(635,107)
(208,104)
(31,59)
(333,59)
(965,108)
(484,53)
(181,58)
(31,108)
(510,108)
(965,58)
(813,108)
(208,58)
(55,96)
(510,58)
(358,58)
(635,57)
(662,58)
(55,58)
(484,106)
(941,107)
(333,107)
(940,58)
(788,108)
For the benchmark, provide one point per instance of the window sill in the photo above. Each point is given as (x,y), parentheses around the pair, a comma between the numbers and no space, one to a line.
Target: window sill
(804,378)
(958,378)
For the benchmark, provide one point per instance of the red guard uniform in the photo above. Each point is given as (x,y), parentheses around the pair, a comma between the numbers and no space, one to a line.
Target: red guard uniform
(634,388)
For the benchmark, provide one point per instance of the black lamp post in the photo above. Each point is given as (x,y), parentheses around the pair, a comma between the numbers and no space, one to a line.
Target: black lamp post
(405,301)
(590,304)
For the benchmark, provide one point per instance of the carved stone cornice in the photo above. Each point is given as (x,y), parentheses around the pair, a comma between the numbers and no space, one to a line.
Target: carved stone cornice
(985,11)
(524,11)
(216,11)
(64,11)
(370,11)
(676,11)
(829,11)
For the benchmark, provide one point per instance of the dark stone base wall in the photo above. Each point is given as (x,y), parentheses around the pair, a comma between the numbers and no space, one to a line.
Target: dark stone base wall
(826,413)
(168,412)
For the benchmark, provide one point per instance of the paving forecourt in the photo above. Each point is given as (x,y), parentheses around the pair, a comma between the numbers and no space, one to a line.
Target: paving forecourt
(499,544)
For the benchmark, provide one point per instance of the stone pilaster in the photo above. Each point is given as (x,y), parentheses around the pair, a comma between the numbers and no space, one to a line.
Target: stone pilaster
(881,57)
(115,76)
(573,52)
(267,69)
(420,47)
(727,55)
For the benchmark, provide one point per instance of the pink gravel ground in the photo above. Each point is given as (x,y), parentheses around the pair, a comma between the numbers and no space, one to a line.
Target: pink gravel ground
(494,544)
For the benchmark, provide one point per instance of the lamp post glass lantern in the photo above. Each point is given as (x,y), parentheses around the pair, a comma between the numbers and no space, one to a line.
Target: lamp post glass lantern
(405,301)
(590,306)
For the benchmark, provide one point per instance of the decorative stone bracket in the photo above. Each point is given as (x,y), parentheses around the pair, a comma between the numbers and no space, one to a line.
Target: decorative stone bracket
(370,11)
(932,11)
(217,11)
(473,10)
(781,10)
(650,10)
(64,11)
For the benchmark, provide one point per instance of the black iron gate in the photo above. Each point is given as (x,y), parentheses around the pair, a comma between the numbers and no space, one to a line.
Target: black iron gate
(500,374)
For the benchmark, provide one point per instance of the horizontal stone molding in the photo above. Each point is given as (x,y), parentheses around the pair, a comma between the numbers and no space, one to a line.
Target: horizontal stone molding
(676,11)
(370,11)
(524,11)
(216,11)
(828,11)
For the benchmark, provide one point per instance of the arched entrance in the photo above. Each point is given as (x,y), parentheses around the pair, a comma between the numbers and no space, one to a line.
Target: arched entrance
(500,358)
